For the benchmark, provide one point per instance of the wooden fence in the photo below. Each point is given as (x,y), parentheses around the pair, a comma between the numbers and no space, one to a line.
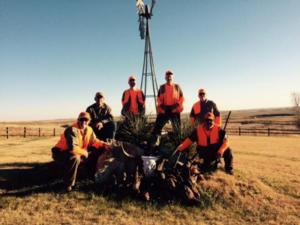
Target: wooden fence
(30,132)
(47,132)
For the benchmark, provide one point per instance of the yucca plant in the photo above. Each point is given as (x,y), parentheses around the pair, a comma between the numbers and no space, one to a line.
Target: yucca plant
(134,129)
(171,140)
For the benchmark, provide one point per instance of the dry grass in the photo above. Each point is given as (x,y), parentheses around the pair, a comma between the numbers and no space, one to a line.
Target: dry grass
(264,189)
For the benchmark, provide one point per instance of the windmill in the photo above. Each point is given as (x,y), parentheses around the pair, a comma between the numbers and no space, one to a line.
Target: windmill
(148,73)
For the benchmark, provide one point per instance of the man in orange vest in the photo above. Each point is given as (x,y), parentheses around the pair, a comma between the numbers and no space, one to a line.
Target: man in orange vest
(203,106)
(102,120)
(212,144)
(133,100)
(169,105)
(74,146)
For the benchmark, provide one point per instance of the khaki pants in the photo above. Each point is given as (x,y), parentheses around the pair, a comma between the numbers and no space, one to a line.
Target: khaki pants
(70,165)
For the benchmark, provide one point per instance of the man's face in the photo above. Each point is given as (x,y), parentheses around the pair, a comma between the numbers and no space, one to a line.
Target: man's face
(99,100)
(131,83)
(202,96)
(83,123)
(209,123)
(169,78)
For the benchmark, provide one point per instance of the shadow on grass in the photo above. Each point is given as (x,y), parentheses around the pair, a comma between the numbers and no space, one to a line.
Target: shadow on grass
(26,179)
(23,179)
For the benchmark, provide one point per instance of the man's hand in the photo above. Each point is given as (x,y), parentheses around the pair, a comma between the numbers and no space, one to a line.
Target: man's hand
(163,107)
(218,157)
(85,155)
(175,106)
(99,125)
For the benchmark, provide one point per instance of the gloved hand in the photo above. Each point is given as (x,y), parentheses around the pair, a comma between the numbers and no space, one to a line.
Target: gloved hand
(218,157)
(163,107)
(174,106)
(106,146)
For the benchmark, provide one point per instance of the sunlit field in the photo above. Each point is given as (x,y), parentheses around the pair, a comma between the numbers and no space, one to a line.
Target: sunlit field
(264,189)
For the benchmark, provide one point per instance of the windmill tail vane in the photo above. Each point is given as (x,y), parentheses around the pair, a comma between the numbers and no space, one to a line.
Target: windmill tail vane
(140,6)
(144,14)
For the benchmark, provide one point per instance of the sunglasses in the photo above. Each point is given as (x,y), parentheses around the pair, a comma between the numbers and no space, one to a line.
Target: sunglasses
(83,119)
(201,94)
(209,120)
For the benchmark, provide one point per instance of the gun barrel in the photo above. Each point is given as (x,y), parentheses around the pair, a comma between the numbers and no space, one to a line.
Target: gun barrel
(227,119)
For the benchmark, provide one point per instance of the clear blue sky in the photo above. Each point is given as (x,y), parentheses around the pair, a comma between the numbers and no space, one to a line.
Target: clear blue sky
(55,54)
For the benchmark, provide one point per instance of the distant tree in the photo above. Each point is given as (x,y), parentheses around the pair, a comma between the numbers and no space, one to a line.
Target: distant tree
(296,102)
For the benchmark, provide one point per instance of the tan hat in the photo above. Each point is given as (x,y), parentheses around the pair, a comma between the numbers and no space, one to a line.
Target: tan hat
(169,72)
(132,77)
(99,95)
(84,115)
(210,116)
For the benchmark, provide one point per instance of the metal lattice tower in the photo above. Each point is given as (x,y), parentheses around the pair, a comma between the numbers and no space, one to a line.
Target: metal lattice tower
(148,74)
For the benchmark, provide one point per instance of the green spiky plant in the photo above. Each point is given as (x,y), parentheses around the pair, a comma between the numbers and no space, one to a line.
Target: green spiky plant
(138,131)
(171,140)
(134,129)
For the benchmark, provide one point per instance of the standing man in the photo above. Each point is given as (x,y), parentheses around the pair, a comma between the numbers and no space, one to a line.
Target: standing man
(212,144)
(133,100)
(169,105)
(102,120)
(202,107)
(73,147)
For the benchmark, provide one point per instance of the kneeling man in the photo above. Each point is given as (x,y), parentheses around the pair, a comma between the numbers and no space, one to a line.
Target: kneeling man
(212,144)
(74,146)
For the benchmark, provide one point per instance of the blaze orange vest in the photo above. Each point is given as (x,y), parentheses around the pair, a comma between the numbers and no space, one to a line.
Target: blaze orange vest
(169,98)
(83,141)
(203,136)
(197,108)
(133,105)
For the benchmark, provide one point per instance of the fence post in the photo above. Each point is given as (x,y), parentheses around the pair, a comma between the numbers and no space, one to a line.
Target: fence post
(39,132)
(240,131)
(6,132)
(269,131)
(54,132)
(24,132)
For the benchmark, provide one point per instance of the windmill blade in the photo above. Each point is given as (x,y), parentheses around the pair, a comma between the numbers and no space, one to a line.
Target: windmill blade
(152,5)
(140,6)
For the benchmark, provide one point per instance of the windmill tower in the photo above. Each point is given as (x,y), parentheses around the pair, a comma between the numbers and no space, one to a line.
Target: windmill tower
(148,80)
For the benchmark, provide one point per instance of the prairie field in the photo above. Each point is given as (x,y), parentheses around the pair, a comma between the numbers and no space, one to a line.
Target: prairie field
(264,189)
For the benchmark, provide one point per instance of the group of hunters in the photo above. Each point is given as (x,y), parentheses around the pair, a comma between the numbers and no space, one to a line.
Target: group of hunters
(86,139)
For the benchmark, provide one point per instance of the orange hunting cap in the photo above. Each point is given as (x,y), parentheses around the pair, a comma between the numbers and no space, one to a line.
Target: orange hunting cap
(84,115)
(209,116)
(169,72)
(132,77)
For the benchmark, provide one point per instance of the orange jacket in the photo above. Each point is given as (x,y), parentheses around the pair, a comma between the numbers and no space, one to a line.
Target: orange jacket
(133,101)
(75,141)
(202,136)
(197,113)
(170,95)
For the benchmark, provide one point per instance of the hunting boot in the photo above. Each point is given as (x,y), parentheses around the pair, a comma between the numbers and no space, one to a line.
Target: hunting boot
(228,159)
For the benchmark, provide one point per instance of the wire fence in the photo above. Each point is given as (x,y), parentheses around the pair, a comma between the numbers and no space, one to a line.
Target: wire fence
(52,132)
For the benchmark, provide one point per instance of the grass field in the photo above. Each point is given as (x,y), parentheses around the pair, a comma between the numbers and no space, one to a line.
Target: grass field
(264,190)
